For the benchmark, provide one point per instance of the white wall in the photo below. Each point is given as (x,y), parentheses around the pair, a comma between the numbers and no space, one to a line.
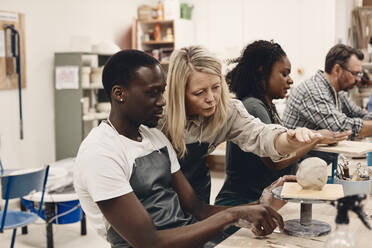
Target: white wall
(50,26)
(305,28)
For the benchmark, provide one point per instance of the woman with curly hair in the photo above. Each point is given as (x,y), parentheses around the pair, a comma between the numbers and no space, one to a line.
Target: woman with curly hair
(261,74)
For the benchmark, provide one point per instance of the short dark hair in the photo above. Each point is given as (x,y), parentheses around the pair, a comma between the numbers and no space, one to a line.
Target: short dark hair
(340,54)
(122,66)
(251,74)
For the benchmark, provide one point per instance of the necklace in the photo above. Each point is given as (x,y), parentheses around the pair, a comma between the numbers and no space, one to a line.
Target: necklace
(274,115)
(138,138)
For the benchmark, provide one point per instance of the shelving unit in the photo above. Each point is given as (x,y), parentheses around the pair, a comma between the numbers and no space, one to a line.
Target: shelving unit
(93,86)
(95,116)
(153,42)
(143,37)
(71,123)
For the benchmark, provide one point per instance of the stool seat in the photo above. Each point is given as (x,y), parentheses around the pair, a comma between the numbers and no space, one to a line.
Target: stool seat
(16,219)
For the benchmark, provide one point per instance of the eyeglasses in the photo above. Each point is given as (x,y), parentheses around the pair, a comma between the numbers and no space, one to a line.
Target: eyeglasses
(354,73)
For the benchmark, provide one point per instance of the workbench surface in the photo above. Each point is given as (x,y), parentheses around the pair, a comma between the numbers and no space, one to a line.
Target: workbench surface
(322,211)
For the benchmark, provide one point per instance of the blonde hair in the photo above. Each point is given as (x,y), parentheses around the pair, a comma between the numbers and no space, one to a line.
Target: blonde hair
(182,63)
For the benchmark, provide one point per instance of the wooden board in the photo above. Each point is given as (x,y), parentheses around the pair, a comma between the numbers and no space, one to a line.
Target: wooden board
(329,192)
(351,148)
(11,81)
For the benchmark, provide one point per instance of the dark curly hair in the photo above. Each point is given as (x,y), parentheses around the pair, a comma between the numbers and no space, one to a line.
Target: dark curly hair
(253,69)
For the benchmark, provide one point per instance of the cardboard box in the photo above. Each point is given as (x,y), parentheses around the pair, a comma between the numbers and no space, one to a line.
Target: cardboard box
(145,13)
(367,2)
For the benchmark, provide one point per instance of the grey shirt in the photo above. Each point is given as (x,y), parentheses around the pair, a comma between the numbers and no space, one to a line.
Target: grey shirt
(246,174)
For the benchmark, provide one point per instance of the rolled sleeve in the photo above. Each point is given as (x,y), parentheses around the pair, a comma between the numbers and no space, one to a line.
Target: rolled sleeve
(351,109)
(324,114)
(251,135)
(316,105)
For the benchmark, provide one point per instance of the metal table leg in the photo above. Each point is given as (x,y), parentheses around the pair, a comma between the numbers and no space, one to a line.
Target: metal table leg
(334,167)
(49,212)
(83,224)
(23,208)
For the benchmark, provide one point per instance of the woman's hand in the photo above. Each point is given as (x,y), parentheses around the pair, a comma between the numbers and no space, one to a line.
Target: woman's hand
(267,197)
(302,135)
(330,137)
(296,140)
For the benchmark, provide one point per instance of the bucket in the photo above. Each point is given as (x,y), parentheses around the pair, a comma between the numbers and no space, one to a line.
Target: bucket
(354,187)
(369,158)
(60,209)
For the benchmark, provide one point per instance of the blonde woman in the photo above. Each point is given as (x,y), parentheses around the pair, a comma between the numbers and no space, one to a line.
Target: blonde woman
(200,114)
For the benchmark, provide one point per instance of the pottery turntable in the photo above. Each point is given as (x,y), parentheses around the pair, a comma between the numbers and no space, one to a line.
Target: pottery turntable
(306,226)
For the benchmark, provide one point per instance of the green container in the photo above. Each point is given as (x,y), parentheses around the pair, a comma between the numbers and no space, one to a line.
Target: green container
(186,10)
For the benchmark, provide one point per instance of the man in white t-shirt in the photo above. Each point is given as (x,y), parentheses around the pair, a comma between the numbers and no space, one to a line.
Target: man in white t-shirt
(127,175)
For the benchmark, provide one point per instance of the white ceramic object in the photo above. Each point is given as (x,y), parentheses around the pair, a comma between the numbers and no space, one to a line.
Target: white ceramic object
(56,177)
(354,187)
(85,105)
(106,47)
(96,75)
(103,107)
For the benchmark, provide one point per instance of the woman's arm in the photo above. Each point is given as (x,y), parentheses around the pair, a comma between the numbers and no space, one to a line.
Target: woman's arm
(328,137)
(287,162)
(301,137)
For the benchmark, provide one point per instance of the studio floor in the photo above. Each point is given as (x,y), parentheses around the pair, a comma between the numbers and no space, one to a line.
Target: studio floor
(68,236)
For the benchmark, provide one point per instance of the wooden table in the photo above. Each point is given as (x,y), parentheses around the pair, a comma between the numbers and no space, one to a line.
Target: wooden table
(347,147)
(323,211)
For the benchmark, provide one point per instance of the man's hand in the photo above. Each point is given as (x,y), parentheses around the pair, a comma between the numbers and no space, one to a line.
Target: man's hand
(329,137)
(267,197)
(263,218)
(302,135)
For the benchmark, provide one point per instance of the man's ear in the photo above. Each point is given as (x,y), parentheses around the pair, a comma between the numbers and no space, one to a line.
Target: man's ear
(119,93)
(337,69)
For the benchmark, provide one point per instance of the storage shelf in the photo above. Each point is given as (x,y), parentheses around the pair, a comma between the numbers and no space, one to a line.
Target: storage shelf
(96,116)
(161,42)
(71,104)
(157,21)
(93,86)
(84,53)
(367,66)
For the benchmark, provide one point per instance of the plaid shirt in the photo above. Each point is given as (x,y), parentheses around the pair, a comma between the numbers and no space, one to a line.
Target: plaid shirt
(316,105)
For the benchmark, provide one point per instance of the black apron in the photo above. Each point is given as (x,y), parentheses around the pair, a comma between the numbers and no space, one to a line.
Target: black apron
(195,169)
(246,177)
(151,181)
